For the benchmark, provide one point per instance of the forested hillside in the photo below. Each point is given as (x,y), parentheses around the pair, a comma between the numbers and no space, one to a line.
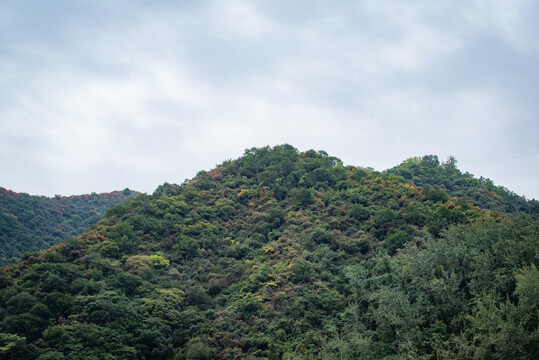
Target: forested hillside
(30,223)
(429,173)
(282,254)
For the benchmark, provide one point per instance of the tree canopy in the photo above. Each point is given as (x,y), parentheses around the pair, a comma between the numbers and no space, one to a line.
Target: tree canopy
(30,223)
(282,254)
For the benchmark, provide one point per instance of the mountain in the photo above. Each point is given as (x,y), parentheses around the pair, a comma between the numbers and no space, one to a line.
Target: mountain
(282,254)
(429,173)
(30,223)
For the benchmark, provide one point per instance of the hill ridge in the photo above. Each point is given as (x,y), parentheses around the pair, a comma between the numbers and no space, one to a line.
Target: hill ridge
(31,222)
(281,254)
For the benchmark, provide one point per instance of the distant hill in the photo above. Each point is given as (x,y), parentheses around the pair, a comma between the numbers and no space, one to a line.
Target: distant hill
(30,223)
(428,172)
(282,254)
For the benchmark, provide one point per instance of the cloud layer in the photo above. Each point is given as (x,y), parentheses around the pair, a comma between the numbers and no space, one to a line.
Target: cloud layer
(96,97)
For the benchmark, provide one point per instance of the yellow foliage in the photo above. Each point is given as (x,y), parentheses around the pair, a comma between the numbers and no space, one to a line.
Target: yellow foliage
(159,261)
(268,249)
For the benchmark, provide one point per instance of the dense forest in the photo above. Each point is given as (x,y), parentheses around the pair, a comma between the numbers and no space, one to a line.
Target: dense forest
(30,223)
(282,254)
(428,172)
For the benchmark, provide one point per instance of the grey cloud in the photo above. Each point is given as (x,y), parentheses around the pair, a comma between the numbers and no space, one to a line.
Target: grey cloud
(109,95)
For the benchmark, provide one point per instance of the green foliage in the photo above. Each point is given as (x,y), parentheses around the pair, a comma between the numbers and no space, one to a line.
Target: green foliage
(396,241)
(440,180)
(284,254)
(197,350)
(359,212)
(31,223)
(159,262)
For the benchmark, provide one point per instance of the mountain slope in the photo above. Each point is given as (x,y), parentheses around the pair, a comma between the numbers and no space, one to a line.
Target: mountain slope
(280,254)
(428,172)
(30,223)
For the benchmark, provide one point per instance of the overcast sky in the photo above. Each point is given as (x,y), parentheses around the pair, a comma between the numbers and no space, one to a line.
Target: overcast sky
(103,95)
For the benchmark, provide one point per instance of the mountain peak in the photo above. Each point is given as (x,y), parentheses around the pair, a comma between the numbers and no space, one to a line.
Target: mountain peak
(281,254)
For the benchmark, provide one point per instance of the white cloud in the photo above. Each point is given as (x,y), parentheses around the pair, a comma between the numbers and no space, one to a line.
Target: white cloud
(510,20)
(404,37)
(146,93)
(237,19)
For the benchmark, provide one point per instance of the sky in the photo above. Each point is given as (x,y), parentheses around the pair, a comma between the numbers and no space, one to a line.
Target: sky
(98,95)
